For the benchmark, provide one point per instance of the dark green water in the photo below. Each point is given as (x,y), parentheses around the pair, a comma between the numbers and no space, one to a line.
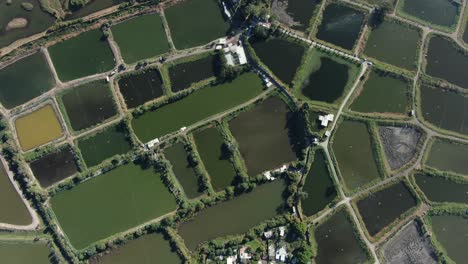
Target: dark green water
(122,198)
(24,80)
(328,82)
(380,209)
(140,88)
(24,253)
(88,104)
(183,75)
(301,11)
(353,151)
(394,43)
(92,7)
(437,12)
(210,147)
(318,185)
(445,60)
(12,209)
(337,242)
(382,94)
(265,138)
(148,249)
(287,56)
(183,170)
(440,189)
(38,20)
(465,34)
(445,109)
(54,167)
(202,22)
(235,216)
(137,44)
(452,232)
(103,145)
(199,105)
(83,55)
(447,156)
(340,25)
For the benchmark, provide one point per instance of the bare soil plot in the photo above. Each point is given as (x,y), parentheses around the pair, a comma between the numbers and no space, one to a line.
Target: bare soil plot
(400,144)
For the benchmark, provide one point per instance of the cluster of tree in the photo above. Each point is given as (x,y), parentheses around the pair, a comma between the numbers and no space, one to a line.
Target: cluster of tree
(378,13)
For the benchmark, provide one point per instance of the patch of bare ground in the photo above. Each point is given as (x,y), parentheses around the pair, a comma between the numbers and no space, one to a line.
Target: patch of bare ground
(409,245)
(16,23)
(279,9)
(400,144)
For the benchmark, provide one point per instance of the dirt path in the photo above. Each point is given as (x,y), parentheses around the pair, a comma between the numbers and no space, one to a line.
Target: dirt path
(34,217)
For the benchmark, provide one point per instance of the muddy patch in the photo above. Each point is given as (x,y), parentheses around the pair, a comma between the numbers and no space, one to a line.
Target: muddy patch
(399,144)
(17,23)
(280,10)
(409,246)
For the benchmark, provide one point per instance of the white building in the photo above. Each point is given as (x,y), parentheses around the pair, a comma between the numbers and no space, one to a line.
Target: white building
(231,260)
(152,143)
(268,234)
(325,119)
(235,55)
(281,254)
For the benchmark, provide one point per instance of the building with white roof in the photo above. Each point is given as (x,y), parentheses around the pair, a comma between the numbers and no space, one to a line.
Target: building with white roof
(151,143)
(281,254)
(325,119)
(235,55)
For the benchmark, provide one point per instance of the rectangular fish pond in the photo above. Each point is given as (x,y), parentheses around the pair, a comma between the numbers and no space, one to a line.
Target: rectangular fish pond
(442,189)
(235,216)
(148,249)
(353,149)
(38,127)
(203,22)
(104,144)
(111,203)
(448,156)
(444,108)
(380,209)
(341,25)
(186,73)
(451,230)
(436,13)
(16,89)
(394,43)
(83,55)
(12,208)
(318,185)
(337,242)
(287,58)
(141,87)
(266,135)
(446,60)
(54,167)
(202,104)
(141,37)
(383,93)
(325,78)
(183,169)
(211,148)
(21,252)
(88,104)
